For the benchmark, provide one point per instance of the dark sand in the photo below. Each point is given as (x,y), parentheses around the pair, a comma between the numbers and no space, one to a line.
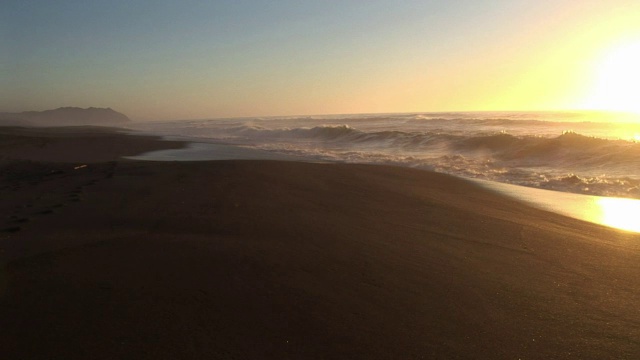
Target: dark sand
(280,260)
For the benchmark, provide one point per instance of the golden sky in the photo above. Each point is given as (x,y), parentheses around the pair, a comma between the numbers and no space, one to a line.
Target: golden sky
(193,59)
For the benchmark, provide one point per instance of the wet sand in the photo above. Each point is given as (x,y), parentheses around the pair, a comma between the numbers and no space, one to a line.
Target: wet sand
(108,258)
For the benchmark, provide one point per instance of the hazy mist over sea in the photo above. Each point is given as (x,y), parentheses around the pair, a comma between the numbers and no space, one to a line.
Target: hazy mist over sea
(579,152)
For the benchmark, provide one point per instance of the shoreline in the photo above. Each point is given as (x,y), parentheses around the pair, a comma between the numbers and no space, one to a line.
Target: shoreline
(76,144)
(601,210)
(272,259)
(612,212)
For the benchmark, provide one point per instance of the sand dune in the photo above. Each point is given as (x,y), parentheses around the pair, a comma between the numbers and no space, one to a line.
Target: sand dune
(287,260)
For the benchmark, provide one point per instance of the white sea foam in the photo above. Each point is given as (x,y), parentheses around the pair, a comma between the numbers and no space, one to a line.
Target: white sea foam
(572,152)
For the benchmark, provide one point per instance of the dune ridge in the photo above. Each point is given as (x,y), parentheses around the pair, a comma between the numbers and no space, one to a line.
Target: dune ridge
(237,259)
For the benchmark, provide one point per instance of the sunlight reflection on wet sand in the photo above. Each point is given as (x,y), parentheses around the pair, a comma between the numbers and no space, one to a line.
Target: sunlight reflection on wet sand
(618,213)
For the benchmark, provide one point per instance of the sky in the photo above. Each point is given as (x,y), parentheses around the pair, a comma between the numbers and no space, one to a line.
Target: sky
(160,60)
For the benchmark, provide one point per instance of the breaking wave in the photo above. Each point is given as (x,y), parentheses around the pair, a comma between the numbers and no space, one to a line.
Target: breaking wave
(518,148)
(569,147)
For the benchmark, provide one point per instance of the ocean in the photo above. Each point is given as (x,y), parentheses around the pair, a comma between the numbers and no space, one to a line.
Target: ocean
(576,152)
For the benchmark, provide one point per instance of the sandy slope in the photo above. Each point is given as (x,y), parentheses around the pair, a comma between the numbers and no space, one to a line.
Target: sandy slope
(264,259)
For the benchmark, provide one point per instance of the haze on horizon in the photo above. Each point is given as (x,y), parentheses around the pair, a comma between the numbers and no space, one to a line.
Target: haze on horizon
(189,59)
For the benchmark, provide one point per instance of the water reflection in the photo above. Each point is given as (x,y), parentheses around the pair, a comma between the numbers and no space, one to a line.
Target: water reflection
(619,213)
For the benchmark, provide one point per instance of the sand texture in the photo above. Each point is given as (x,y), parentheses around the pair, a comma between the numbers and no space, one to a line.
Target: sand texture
(104,258)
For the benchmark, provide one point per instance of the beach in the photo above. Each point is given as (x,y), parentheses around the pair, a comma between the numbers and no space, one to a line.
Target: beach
(112,258)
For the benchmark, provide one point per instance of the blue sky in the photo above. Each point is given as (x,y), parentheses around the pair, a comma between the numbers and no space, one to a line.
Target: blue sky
(191,59)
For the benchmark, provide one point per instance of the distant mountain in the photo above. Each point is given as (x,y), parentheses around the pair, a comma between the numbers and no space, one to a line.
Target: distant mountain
(65,116)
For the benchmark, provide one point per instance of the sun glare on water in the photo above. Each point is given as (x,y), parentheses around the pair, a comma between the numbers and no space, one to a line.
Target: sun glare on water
(618,213)
(617,80)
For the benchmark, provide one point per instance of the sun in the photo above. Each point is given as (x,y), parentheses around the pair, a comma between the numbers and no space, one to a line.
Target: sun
(617,80)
